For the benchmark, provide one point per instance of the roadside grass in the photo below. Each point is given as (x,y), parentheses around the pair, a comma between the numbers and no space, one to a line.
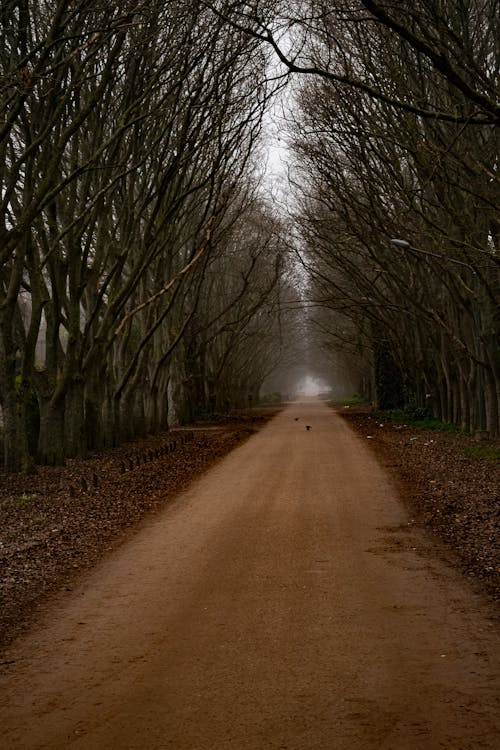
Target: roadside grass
(489,452)
(27,498)
(420,420)
(417,420)
(354,400)
(270,399)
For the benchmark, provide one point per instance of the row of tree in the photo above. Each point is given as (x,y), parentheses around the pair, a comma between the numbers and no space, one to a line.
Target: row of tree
(144,278)
(136,253)
(395,134)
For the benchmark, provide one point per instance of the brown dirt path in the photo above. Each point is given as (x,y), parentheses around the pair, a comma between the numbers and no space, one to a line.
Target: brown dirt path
(282,603)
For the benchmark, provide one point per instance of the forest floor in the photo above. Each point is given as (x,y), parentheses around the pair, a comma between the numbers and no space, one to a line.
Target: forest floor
(61,521)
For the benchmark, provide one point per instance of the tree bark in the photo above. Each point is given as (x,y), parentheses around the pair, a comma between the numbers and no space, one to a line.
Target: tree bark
(51,448)
(74,427)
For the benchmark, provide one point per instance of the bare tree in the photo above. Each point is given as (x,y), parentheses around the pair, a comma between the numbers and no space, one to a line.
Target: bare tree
(319,39)
(123,127)
(369,172)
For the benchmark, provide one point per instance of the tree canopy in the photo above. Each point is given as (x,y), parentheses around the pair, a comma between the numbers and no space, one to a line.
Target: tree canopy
(146,277)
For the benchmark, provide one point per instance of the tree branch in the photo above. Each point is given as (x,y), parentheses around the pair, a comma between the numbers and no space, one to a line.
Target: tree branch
(164,290)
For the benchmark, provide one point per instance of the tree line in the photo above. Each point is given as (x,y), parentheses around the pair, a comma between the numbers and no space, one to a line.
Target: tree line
(394,130)
(136,252)
(144,277)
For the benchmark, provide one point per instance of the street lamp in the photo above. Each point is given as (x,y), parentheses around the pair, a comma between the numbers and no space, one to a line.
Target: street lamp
(405,245)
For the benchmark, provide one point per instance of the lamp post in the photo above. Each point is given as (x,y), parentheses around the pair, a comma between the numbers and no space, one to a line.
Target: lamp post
(481,406)
(405,245)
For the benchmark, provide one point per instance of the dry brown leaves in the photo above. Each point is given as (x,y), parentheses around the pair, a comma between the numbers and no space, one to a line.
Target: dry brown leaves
(62,520)
(457,497)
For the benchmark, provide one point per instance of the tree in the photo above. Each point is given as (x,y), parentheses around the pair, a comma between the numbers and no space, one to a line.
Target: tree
(453,41)
(363,165)
(124,129)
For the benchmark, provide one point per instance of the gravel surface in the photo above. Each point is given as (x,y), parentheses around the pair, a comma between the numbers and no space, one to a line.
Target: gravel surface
(63,520)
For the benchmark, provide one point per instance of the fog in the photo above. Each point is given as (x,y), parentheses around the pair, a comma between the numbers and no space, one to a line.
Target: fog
(311,386)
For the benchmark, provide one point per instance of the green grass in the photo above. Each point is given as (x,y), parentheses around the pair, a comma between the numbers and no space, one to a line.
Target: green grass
(490,452)
(26,498)
(352,401)
(270,398)
(399,415)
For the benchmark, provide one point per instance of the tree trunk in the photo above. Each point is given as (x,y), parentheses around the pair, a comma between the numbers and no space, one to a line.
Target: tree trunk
(110,420)
(16,455)
(93,432)
(51,441)
(15,451)
(465,415)
(74,427)
(127,427)
(492,411)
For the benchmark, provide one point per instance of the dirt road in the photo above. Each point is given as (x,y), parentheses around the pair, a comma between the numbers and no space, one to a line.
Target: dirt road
(284,602)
